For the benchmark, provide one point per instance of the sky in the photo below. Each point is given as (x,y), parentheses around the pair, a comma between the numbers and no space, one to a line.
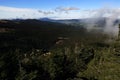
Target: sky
(57,9)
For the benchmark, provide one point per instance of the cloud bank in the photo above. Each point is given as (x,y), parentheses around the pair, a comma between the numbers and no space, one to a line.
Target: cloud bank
(58,13)
(111,16)
(23,13)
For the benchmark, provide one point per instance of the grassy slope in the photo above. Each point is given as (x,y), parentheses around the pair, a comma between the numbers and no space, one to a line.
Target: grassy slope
(105,64)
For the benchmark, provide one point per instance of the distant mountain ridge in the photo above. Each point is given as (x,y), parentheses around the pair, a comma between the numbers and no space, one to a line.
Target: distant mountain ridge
(86,22)
(99,22)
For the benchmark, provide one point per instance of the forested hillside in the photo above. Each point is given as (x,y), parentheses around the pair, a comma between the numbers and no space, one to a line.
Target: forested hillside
(41,50)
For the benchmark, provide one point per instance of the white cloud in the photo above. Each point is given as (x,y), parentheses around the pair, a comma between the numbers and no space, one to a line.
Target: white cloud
(57,13)
(66,9)
(24,13)
(46,12)
(12,9)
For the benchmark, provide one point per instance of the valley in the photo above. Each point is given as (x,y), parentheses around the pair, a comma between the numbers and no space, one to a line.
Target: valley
(43,50)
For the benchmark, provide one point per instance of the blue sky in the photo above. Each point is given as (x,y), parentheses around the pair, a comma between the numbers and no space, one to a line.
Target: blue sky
(63,9)
(54,3)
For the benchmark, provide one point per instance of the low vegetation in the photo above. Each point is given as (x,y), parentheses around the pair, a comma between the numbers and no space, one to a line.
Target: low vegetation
(39,50)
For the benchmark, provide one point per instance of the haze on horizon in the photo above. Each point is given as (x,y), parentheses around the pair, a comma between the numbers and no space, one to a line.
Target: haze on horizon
(58,9)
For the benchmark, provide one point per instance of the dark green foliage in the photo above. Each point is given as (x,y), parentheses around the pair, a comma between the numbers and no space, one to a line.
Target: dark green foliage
(9,66)
(38,50)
